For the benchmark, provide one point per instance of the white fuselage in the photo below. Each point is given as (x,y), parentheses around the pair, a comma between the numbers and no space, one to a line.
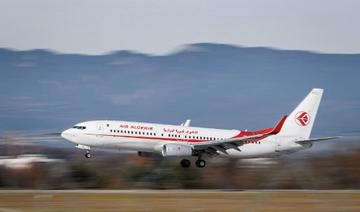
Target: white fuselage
(148,137)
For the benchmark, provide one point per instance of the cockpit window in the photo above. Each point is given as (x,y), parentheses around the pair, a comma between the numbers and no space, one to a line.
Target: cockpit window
(79,127)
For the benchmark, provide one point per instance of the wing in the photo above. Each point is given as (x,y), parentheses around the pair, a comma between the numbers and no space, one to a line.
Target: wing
(316,139)
(212,147)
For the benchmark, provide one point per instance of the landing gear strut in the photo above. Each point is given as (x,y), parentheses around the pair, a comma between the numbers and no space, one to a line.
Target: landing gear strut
(185,163)
(87,154)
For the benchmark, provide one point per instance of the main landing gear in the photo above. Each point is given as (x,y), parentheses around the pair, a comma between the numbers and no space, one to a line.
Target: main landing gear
(200,163)
(185,163)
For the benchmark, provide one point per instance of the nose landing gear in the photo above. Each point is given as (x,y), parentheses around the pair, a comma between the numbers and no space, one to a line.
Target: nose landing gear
(87,154)
(84,147)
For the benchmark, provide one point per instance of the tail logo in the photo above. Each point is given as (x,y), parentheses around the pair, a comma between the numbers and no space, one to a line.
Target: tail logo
(302,118)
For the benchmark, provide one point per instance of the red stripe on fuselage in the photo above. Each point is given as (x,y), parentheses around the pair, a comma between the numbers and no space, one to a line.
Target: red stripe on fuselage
(174,139)
(151,138)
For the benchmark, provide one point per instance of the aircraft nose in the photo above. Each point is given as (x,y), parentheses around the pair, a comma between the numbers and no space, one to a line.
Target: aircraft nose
(67,134)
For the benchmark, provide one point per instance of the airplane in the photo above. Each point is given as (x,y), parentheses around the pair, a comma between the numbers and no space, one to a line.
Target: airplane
(289,135)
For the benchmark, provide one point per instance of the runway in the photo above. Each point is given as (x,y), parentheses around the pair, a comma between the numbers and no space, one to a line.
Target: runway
(180,200)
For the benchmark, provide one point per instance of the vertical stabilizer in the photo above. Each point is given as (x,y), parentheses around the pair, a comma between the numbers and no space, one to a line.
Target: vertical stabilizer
(300,122)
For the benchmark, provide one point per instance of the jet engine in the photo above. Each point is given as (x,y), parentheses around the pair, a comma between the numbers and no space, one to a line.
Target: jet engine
(176,150)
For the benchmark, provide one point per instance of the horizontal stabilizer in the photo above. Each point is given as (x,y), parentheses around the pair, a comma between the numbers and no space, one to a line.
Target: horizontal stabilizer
(316,139)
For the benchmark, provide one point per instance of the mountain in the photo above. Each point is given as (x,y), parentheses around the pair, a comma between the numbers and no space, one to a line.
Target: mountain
(215,85)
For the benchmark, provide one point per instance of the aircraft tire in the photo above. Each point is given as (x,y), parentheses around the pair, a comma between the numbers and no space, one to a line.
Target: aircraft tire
(185,163)
(200,163)
(87,155)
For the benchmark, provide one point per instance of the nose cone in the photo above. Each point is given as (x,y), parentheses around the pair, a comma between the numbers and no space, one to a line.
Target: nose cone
(67,134)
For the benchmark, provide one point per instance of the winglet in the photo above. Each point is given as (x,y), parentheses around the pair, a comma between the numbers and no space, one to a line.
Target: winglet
(279,125)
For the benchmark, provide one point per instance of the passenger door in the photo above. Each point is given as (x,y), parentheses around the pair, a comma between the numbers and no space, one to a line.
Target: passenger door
(100,130)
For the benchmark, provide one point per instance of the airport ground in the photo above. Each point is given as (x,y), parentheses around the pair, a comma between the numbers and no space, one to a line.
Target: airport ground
(179,200)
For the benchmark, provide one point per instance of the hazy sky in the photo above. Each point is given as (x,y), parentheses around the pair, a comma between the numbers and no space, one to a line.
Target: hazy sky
(159,26)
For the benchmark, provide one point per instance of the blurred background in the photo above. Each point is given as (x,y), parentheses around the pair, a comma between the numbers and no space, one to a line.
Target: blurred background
(228,64)
(335,165)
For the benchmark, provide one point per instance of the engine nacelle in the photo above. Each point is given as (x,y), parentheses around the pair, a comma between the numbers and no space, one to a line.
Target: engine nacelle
(176,150)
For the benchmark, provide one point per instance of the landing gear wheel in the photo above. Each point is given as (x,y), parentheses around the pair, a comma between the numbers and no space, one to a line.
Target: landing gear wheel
(200,163)
(185,163)
(87,155)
